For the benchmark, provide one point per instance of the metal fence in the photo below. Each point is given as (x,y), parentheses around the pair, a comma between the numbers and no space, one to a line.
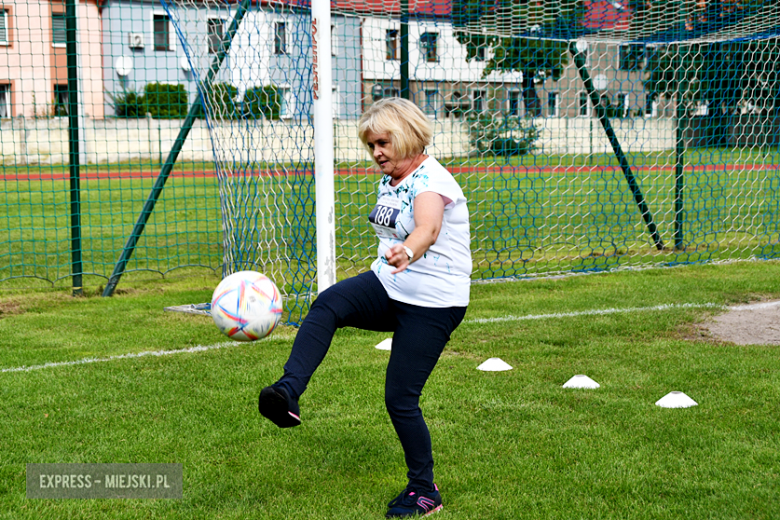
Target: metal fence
(583,164)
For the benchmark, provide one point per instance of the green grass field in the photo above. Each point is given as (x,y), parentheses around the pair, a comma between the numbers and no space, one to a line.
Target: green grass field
(507,445)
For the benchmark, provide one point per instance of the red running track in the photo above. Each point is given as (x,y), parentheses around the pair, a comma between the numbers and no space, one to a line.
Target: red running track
(510,170)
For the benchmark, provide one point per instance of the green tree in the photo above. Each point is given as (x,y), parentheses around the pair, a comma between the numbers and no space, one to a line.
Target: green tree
(531,55)
(761,81)
(726,76)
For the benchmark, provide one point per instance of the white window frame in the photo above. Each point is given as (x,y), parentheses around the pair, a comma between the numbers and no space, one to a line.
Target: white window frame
(283,47)
(483,100)
(5,98)
(519,94)
(626,103)
(53,44)
(287,108)
(588,107)
(335,103)
(171,32)
(334,40)
(653,109)
(557,96)
(4,17)
(224,29)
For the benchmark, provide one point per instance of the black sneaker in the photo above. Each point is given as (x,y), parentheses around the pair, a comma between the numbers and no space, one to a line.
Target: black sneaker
(277,405)
(412,503)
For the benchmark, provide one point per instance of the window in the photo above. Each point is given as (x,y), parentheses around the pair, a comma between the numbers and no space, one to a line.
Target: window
(552,104)
(622,104)
(651,106)
(161,29)
(287,109)
(478,98)
(61,100)
(5,100)
(59,36)
(584,104)
(215,28)
(429,46)
(391,44)
(378,92)
(5,36)
(280,38)
(480,53)
(514,103)
(431,101)
(631,56)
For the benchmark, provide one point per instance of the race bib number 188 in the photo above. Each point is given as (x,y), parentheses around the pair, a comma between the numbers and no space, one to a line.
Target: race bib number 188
(384,215)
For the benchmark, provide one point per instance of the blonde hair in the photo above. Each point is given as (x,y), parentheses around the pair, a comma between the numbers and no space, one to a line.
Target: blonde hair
(410,131)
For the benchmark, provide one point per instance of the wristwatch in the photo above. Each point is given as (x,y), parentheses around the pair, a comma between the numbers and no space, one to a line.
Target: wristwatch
(409,253)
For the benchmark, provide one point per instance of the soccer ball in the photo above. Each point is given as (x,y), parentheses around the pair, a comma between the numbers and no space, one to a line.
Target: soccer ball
(246,306)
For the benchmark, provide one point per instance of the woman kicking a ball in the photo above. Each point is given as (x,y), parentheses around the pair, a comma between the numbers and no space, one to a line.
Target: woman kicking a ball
(417,288)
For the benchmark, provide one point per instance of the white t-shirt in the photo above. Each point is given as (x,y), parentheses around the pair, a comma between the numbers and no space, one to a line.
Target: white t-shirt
(442,277)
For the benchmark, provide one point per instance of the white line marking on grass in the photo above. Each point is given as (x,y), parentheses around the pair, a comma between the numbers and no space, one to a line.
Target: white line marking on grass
(598,312)
(199,348)
(595,312)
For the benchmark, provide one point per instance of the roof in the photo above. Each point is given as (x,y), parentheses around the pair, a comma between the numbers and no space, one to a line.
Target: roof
(602,15)
(435,8)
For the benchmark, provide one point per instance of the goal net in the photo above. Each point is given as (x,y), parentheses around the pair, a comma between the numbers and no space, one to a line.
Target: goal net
(588,135)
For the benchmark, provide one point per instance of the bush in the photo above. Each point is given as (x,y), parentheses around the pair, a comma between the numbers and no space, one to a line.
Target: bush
(165,100)
(509,147)
(503,136)
(162,100)
(128,104)
(222,102)
(262,102)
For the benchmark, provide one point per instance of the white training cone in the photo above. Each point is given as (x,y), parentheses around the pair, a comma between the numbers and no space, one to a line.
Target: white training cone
(494,364)
(385,345)
(581,381)
(676,400)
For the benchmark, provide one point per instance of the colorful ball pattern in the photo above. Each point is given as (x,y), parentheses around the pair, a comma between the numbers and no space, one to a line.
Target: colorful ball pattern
(246,306)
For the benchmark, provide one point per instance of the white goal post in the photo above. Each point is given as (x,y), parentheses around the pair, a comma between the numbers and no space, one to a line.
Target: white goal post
(323,143)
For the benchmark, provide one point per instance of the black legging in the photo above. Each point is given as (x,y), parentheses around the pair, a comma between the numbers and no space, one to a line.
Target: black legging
(419,336)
